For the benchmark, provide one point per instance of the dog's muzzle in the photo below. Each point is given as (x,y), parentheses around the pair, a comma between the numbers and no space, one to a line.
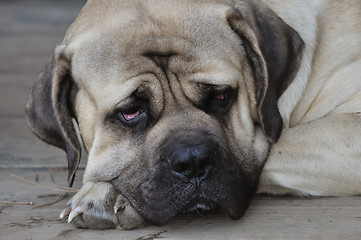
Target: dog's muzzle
(193,170)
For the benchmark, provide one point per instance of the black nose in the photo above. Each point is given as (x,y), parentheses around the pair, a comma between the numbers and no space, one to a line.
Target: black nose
(191,161)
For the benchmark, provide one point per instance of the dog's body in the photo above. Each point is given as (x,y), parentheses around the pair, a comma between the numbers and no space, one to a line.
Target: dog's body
(180,104)
(321,108)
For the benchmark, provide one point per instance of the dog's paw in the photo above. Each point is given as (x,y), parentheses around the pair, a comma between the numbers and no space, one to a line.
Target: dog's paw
(99,206)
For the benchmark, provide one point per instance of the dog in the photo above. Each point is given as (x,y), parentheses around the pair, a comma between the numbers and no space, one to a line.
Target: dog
(187,105)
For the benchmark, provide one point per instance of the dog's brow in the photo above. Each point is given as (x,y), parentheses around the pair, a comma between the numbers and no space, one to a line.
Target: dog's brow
(221,80)
(213,85)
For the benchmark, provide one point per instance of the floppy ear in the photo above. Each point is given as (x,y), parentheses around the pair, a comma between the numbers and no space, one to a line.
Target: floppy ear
(49,110)
(274,52)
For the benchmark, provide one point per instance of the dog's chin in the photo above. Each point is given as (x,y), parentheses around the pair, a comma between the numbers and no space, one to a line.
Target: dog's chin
(159,217)
(234,205)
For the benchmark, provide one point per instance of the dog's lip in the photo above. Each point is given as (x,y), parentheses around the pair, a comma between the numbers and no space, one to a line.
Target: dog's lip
(231,207)
(194,205)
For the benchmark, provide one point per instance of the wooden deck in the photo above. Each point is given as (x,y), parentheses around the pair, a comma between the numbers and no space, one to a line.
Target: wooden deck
(32,172)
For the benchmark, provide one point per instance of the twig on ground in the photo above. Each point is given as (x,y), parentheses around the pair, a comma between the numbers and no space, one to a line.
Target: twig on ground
(43,186)
(16,203)
(59,186)
(53,202)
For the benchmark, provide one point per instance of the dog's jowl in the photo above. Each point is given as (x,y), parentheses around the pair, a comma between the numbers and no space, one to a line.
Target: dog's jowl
(188,105)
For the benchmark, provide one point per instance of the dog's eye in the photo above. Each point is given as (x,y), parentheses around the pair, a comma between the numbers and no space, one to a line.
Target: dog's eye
(219,101)
(219,97)
(132,114)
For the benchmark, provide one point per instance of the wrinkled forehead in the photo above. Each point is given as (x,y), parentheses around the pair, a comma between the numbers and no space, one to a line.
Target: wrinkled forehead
(113,57)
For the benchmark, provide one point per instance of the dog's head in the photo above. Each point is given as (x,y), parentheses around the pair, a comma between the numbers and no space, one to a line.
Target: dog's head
(176,102)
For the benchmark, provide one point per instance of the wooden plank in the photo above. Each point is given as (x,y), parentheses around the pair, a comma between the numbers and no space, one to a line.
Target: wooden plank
(268,217)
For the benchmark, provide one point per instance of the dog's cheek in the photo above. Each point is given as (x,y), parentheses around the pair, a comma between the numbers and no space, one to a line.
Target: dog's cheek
(247,142)
(251,156)
(108,158)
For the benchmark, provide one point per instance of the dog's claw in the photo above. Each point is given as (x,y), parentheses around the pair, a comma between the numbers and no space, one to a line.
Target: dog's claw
(119,205)
(127,217)
(75,212)
(65,212)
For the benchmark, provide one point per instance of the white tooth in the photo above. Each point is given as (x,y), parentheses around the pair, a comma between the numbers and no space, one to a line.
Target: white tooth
(76,211)
(65,212)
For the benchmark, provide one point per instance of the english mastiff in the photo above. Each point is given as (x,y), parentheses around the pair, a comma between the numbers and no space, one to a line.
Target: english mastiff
(188,105)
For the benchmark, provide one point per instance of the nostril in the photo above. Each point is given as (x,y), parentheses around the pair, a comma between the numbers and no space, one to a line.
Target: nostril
(183,168)
(202,169)
(203,164)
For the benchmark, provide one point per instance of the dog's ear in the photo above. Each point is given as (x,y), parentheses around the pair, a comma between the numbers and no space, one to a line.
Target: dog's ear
(274,51)
(49,109)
